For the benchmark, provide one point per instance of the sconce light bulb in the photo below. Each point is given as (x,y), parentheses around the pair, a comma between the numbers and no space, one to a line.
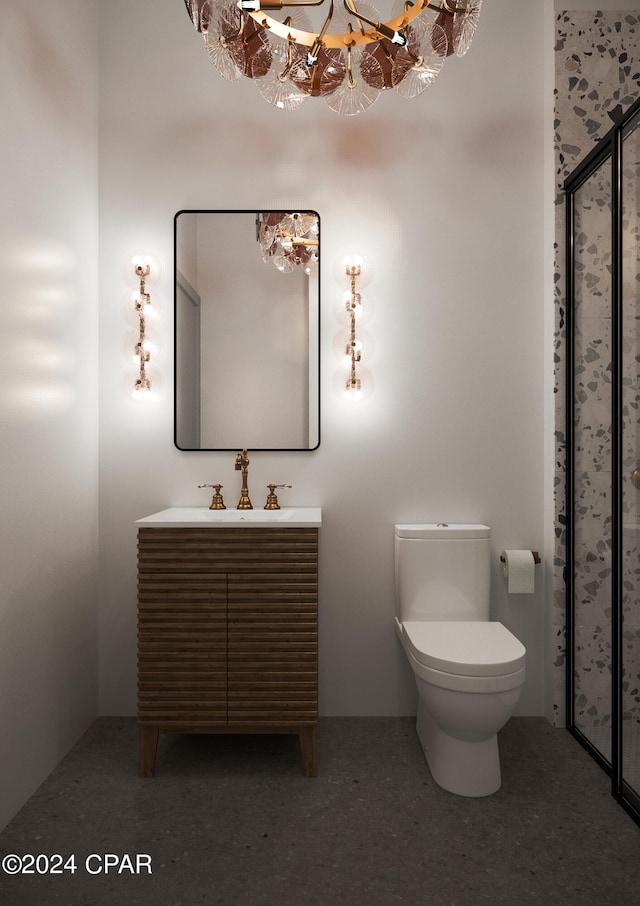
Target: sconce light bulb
(353,265)
(140,300)
(353,389)
(141,266)
(142,351)
(142,389)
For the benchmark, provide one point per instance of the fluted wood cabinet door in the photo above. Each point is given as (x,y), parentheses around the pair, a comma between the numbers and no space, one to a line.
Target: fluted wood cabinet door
(182,631)
(272,648)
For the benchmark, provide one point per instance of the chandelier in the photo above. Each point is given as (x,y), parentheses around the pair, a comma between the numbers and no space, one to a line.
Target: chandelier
(289,240)
(348,67)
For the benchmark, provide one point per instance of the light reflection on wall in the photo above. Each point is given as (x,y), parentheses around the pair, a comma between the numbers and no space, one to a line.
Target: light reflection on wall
(38,363)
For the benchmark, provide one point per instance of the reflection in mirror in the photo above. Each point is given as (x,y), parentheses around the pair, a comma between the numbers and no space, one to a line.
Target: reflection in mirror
(247,301)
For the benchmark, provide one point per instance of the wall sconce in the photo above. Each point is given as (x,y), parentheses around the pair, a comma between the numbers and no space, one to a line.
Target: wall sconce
(353,351)
(143,268)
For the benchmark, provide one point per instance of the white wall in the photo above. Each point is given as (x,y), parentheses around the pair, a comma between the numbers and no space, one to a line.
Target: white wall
(48,388)
(445,195)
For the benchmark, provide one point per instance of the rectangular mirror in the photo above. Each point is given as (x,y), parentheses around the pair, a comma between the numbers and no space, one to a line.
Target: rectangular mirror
(247,332)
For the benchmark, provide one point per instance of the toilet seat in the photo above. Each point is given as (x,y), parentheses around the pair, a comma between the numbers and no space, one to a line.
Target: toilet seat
(457,681)
(460,648)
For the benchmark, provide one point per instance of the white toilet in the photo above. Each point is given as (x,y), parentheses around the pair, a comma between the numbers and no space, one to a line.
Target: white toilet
(469,671)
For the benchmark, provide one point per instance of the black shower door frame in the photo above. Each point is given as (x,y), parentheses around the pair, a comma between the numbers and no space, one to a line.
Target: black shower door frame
(609,148)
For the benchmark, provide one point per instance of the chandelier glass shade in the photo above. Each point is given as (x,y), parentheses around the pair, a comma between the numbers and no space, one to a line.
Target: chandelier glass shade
(289,239)
(349,61)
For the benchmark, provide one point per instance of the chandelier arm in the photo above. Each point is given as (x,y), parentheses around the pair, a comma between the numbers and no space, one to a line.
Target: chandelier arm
(238,34)
(385,31)
(352,81)
(294,240)
(289,64)
(326,22)
(318,44)
(451,11)
(340,41)
(279,4)
(351,9)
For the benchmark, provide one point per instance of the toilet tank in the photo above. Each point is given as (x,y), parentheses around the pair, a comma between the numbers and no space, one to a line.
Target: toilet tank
(442,572)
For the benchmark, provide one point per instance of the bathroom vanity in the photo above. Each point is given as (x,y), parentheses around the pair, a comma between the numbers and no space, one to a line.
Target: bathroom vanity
(228,625)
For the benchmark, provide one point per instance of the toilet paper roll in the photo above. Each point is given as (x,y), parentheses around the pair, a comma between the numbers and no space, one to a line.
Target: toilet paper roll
(520,570)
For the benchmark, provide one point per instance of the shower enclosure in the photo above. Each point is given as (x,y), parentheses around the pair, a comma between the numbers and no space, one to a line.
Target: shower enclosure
(603,456)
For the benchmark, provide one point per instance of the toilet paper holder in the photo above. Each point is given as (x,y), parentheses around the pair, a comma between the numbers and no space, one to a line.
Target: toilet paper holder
(536,558)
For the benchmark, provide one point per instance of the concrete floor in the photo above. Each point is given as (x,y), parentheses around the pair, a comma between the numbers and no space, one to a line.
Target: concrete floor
(232,821)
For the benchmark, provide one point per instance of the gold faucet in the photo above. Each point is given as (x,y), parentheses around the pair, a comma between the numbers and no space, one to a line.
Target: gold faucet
(272,500)
(242,462)
(217,503)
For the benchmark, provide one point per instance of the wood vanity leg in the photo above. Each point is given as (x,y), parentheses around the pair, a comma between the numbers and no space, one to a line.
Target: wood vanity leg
(148,749)
(308,737)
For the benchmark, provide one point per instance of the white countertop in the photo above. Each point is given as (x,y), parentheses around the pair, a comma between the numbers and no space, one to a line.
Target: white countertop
(201,517)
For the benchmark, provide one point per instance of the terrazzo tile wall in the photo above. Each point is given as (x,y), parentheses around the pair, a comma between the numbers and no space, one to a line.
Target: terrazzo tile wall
(597,78)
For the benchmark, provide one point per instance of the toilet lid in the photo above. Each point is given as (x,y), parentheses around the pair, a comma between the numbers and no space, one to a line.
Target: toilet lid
(465,649)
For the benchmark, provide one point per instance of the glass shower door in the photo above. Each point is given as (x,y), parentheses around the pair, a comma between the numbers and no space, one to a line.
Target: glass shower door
(592,460)
(630,459)
(603,456)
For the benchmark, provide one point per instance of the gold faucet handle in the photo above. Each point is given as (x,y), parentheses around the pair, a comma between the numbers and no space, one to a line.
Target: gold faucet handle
(272,500)
(217,503)
(242,460)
